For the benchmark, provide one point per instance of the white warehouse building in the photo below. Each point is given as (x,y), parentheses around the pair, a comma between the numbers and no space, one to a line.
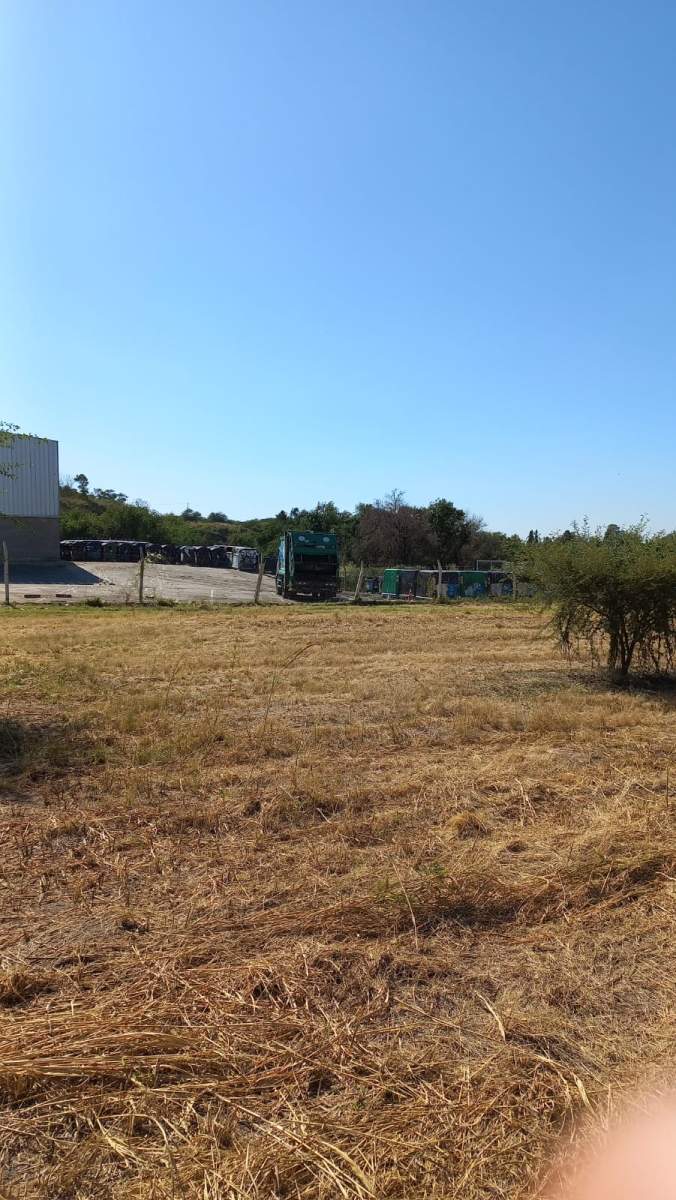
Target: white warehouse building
(29,498)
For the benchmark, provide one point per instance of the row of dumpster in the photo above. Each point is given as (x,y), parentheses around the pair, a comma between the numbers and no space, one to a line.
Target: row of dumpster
(238,558)
(423,584)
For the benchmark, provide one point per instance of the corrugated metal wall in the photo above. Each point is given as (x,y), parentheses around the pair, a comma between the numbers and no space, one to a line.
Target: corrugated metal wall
(33,489)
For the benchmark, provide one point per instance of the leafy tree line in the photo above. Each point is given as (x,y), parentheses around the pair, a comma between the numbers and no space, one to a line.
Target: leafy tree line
(383,532)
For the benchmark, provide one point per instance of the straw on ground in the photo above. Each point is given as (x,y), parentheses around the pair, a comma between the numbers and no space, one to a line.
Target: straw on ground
(322,902)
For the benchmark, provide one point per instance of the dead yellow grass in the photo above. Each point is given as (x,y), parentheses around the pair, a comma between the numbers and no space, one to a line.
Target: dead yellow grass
(322,902)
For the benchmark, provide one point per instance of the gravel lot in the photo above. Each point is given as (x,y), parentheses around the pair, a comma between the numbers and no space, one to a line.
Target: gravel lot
(72,582)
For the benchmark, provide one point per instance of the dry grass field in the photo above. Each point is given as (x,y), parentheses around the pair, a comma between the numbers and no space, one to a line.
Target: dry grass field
(321,902)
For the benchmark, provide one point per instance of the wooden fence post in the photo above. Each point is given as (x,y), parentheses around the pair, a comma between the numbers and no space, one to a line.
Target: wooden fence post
(259,581)
(5,569)
(141,572)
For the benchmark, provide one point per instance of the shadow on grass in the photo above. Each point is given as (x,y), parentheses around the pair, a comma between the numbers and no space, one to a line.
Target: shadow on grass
(30,751)
(525,683)
(515,684)
(659,687)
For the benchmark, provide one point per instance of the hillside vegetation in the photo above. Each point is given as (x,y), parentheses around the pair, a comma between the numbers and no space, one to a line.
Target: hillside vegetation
(321,902)
(111,516)
(383,532)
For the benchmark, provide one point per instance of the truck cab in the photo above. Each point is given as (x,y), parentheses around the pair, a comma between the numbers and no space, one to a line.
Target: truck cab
(307,566)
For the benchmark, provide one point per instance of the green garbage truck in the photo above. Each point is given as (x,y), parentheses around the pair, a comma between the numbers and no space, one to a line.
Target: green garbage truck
(307,566)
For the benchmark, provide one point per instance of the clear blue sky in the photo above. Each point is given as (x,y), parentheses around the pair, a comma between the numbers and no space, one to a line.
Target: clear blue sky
(257,254)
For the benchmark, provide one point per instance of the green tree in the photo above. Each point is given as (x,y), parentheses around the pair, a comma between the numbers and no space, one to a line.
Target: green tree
(82,484)
(488,544)
(616,596)
(9,435)
(451,529)
(107,493)
(8,432)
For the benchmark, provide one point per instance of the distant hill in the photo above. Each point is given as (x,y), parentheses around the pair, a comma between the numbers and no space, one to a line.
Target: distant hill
(107,514)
